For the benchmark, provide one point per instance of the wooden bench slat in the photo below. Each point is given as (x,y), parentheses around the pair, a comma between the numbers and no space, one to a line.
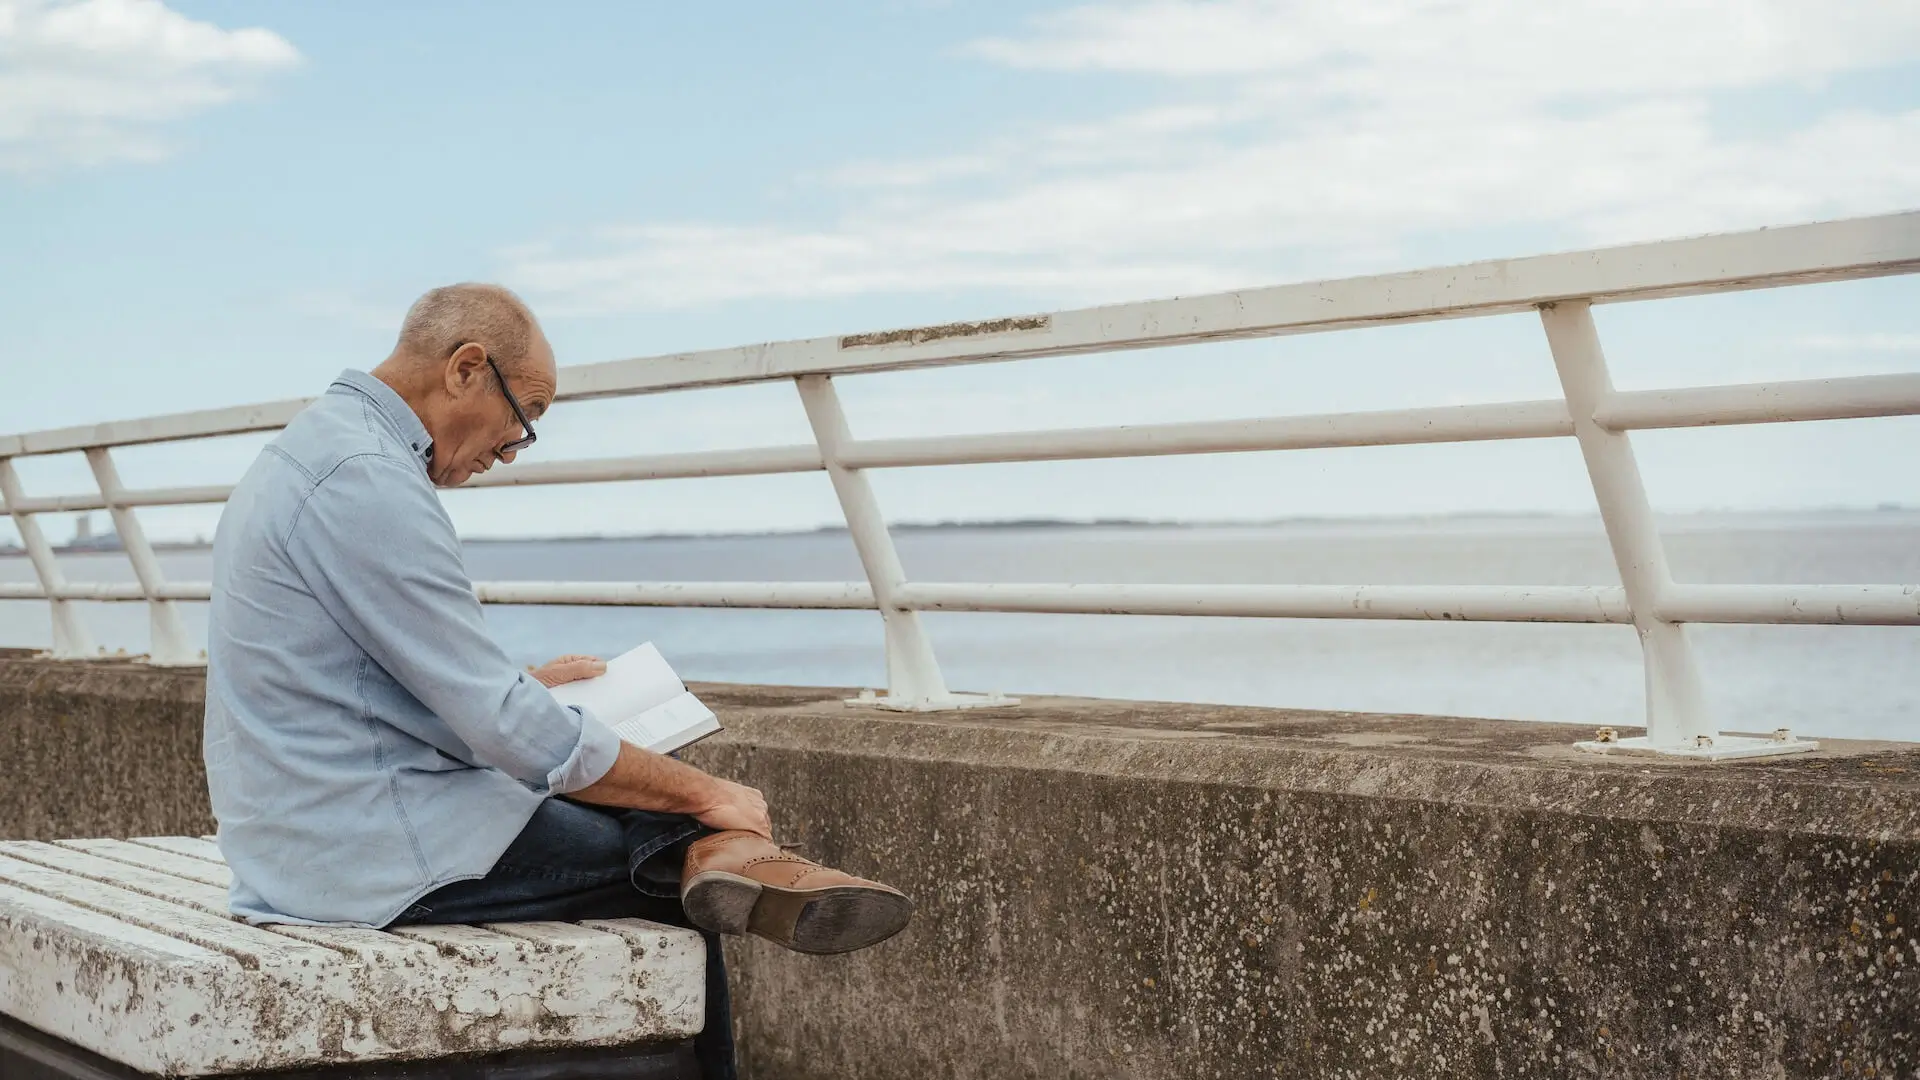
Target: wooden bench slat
(18,905)
(194,894)
(472,943)
(549,935)
(192,846)
(370,945)
(251,946)
(641,932)
(166,862)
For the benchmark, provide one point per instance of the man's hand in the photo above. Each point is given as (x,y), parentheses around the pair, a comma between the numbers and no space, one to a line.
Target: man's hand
(737,806)
(644,780)
(570,668)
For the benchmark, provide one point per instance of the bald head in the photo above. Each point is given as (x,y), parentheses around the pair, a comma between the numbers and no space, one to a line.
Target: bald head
(443,367)
(452,315)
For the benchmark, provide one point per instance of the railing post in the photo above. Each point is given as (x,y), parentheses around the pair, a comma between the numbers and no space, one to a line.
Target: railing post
(1677,713)
(70,638)
(914,682)
(170,645)
(1678,717)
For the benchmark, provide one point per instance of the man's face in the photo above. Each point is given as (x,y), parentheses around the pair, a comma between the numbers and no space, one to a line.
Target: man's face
(478,421)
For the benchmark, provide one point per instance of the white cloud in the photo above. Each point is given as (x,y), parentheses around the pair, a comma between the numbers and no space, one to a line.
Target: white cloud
(1322,136)
(84,82)
(1401,48)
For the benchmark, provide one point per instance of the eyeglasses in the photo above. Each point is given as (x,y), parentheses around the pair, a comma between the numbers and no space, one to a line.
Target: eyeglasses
(519,414)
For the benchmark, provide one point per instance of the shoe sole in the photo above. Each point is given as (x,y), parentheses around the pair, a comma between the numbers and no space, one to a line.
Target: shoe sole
(840,919)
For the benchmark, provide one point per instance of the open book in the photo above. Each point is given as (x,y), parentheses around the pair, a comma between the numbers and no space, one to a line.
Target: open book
(643,701)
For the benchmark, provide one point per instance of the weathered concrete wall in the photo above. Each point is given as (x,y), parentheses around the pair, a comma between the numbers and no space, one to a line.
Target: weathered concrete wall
(1113,889)
(1120,890)
(100,748)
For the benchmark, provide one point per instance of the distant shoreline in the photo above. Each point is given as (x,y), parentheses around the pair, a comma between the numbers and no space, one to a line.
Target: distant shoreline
(1064,524)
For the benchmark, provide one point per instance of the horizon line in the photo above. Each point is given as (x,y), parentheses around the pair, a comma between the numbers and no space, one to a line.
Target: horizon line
(962,525)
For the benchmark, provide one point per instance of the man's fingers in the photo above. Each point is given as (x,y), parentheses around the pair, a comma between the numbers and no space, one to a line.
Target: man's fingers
(739,807)
(571,669)
(581,667)
(756,805)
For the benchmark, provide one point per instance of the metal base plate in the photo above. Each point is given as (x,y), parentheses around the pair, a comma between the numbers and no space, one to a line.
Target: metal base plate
(1721,748)
(872,700)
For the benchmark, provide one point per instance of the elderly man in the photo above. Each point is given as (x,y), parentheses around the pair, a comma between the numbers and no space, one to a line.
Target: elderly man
(373,756)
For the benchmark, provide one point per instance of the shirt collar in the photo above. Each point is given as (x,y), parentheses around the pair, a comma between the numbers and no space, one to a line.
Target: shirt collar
(400,414)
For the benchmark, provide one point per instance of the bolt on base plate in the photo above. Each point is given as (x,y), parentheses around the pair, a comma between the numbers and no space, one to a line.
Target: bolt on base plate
(872,700)
(1716,748)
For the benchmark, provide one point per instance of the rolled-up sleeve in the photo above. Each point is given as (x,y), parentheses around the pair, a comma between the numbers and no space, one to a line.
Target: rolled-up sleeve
(379,552)
(592,758)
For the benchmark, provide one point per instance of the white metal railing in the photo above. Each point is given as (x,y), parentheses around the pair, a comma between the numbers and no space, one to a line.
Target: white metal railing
(1562,288)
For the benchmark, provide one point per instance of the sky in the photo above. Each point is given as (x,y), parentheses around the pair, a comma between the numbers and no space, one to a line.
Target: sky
(208,203)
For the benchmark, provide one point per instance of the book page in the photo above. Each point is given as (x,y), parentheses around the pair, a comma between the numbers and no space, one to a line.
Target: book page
(636,680)
(669,726)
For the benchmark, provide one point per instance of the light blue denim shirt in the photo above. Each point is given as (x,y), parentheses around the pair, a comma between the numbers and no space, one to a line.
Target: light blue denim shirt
(366,740)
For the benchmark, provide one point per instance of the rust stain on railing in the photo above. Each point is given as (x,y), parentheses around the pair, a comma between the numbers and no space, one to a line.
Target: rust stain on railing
(921,335)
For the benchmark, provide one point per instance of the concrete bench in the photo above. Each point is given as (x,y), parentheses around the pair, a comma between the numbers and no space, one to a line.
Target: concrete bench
(123,950)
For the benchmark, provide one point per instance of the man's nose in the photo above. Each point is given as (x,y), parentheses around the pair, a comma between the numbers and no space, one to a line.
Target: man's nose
(507,457)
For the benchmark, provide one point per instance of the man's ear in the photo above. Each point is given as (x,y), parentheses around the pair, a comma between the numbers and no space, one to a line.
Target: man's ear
(466,369)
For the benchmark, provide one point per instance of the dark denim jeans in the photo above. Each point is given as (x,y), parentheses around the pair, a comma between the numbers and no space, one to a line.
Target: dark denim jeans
(575,861)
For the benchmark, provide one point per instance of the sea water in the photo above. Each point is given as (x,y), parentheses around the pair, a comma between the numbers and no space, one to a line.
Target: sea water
(1840,681)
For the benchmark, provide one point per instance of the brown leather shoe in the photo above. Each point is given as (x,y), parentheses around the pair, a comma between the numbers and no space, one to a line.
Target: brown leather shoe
(740,882)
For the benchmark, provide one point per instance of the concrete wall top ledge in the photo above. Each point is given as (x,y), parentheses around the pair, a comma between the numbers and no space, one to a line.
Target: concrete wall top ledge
(1859,790)
(22,671)
(1863,790)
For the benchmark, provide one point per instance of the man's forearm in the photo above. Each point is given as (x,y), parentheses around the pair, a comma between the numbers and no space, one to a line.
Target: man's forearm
(643,780)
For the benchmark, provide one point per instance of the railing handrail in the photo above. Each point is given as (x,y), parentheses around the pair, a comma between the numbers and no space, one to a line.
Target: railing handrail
(1842,250)
(1561,287)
